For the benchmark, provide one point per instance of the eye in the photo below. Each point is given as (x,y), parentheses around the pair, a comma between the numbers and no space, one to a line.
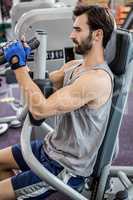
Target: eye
(77,29)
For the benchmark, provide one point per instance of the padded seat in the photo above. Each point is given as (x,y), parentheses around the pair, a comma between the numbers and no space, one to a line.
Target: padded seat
(121,66)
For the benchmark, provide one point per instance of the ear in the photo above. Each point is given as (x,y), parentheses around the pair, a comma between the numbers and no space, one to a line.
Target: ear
(97,35)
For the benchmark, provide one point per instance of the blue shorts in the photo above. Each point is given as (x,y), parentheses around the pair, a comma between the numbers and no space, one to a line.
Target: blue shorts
(29,186)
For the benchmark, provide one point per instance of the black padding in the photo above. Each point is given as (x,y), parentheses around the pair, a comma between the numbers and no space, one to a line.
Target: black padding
(118,65)
(110,49)
(10,77)
(35,122)
(46,86)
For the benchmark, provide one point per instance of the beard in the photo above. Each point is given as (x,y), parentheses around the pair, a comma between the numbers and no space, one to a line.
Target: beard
(84,47)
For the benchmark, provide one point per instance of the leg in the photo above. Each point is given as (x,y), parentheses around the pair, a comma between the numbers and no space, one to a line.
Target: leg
(12,158)
(7,163)
(6,190)
(27,185)
(7,160)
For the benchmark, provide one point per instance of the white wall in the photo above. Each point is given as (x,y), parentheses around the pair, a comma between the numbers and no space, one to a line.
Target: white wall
(15,2)
(69,2)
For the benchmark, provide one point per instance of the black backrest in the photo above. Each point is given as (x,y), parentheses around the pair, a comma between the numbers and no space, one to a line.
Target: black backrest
(122,68)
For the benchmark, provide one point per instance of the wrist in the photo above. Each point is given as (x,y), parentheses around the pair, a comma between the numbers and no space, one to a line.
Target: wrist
(22,75)
(23,69)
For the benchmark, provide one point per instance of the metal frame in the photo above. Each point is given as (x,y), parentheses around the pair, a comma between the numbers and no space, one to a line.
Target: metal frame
(41,15)
(21,8)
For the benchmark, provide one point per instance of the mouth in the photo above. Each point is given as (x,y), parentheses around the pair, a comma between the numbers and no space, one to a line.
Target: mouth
(76,45)
(75,42)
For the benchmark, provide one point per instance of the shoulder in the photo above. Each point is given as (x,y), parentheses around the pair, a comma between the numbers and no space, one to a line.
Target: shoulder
(61,71)
(70,64)
(96,75)
(97,82)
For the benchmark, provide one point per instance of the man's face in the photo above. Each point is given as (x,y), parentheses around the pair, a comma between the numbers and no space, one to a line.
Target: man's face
(81,35)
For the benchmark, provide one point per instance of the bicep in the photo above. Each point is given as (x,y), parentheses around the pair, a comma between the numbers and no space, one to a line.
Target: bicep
(70,97)
(57,77)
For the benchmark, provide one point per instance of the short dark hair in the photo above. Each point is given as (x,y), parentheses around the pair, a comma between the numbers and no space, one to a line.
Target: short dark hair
(98,18)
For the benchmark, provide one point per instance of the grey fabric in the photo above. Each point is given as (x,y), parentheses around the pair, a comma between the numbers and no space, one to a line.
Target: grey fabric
(79,134)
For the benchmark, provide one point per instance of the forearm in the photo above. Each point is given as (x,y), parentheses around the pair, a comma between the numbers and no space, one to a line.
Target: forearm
(31,92)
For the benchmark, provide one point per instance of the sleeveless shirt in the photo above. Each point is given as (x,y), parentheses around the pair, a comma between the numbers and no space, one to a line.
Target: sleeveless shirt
(79,134)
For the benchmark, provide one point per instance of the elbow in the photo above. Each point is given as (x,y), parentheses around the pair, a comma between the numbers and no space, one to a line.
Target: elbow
(47,110)
(36,114)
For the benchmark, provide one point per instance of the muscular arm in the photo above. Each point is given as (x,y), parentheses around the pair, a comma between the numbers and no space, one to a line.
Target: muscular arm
(85,89)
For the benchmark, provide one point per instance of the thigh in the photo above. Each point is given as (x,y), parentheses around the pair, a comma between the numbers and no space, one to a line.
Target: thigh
(12,158)
(6,190)
(7,160)
(17,154)
(27,185)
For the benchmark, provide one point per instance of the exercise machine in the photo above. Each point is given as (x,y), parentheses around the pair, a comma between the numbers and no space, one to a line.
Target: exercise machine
(16,105)
(121,65)
(21,8)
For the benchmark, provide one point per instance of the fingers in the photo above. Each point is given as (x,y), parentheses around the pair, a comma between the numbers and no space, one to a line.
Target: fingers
(24,42)
(23,38)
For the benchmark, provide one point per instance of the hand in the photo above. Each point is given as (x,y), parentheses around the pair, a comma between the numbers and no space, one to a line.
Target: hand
(26,47)
(16,54)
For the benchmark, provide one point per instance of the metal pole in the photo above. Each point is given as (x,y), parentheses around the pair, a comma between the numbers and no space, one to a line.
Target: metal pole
(124,179)
(128,170)
(40,56)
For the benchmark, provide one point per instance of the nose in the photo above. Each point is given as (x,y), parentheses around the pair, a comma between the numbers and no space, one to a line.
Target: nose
(72,35)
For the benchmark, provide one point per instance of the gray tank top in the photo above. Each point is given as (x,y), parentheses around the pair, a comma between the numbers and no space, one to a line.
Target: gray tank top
(79,134)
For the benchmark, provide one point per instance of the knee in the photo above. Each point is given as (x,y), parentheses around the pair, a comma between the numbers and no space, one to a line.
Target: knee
(6,190)
(5,196)
(7,161)
(2,166)
(2,195)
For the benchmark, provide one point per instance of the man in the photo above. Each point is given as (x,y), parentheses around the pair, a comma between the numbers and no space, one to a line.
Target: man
(80,104)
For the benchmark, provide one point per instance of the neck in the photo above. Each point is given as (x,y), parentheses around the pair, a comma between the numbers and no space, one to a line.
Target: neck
(93,57)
